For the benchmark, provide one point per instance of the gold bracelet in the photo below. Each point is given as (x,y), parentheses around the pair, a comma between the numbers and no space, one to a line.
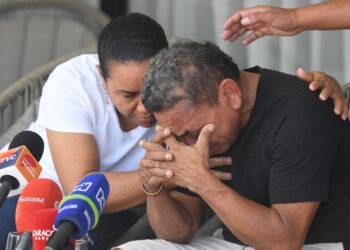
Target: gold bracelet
(154,193)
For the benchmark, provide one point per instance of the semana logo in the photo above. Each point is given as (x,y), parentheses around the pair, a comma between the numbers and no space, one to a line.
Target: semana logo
(31,199)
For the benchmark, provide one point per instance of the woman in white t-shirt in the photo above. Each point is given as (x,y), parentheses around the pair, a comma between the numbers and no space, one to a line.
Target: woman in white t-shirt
(94,119)
(91,119)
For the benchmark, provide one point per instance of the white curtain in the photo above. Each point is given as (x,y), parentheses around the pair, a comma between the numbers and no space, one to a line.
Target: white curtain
(199,20)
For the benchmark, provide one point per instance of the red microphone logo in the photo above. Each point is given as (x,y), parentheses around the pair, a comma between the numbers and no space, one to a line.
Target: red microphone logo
(43,227)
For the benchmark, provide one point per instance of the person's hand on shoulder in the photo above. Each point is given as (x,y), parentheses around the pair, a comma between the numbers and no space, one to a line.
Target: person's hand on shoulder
(329,87)
(260,21)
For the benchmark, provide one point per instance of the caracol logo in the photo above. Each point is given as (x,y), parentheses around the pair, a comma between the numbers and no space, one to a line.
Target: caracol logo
(44,234)
(83,187)
(31,199)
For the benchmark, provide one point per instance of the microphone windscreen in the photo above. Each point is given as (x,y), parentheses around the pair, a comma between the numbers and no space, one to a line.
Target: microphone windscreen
(31,140)
(38,194)
(84,204)
(43,227)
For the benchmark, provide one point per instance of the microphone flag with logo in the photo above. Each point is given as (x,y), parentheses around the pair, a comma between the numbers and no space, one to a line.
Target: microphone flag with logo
(43,227)
(37,195)
(80,210)
(19,165)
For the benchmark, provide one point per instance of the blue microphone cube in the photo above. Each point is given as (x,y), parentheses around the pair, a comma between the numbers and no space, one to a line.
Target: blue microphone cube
(84,204)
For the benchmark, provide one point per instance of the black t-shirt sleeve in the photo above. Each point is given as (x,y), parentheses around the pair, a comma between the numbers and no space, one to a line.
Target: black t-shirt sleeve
(303,151)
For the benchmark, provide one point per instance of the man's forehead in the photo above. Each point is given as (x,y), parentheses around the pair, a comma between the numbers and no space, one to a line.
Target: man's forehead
(173,120)
(176,118)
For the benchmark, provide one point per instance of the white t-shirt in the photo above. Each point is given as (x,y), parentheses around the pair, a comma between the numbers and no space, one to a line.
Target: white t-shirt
(74,100)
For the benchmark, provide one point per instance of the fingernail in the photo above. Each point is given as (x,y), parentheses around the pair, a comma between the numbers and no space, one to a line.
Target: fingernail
(211,128)
(245,20)
(228,176)
(168,156)
(166,131)
(229,161)
(168,174)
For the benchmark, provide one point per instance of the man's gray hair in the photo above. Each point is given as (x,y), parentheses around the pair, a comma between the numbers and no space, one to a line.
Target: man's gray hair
(187,71)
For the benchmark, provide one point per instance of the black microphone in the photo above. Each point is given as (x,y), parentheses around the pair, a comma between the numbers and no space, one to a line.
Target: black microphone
(19,165)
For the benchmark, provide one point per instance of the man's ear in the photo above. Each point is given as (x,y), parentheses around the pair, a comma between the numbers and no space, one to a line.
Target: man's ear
(229,89)
(98,67)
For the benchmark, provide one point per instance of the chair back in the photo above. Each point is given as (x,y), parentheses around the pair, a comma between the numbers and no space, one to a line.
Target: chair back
(18,105)
(34,32)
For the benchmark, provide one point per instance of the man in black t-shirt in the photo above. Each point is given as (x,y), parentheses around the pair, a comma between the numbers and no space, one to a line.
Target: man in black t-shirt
(290,154)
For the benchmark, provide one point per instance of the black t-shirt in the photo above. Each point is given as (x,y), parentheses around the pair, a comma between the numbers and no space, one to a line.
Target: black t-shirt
(295,149)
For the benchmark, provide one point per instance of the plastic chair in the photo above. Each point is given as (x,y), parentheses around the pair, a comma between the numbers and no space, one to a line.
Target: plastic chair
(34,32)
(19,102)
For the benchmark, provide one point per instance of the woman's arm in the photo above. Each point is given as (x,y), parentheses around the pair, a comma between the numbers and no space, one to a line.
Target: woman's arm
(80,158)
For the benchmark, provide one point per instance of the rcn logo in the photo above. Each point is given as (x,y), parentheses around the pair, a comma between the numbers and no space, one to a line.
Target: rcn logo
(83,187)
(100,197)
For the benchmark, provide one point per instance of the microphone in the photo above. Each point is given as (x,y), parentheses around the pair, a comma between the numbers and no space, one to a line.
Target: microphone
(19,165)
(37,195)
(43,228)
(80,210)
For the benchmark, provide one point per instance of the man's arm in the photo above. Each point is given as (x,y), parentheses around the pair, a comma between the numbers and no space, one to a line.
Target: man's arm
(83,158)
(283,226)
(174,216)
